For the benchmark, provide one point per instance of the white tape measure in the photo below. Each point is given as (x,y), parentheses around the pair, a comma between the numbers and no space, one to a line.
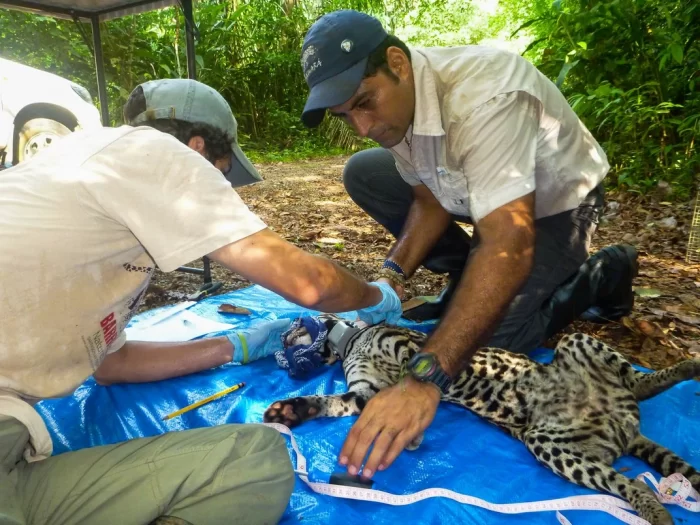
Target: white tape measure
(672,490)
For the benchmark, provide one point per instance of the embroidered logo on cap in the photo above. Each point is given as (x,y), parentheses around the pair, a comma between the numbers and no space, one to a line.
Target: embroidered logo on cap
(346,45)
(308,64)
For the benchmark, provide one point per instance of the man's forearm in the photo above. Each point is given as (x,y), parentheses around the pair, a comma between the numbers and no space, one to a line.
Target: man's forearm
(140,362)
(341,290)
(305,279)
(425,223)
(491,280)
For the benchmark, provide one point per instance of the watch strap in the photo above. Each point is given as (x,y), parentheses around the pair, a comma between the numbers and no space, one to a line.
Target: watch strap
(438,376)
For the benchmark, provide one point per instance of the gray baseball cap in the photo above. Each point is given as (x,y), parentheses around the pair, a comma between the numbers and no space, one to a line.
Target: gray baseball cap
(192,101)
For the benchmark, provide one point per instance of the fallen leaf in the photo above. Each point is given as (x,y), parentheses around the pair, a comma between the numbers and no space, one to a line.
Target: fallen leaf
(649,329)
(668,223)
(644,363)
(629,323)
(648,273)
(688,319)
(330,240)
(311,234)
(624,469)
(690,300)
(226,308)
(647,292)
(674,309)
(648,345)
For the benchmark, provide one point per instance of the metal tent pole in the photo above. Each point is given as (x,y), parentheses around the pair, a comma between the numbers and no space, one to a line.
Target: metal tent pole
(192,73)
(189,38)
(100,69)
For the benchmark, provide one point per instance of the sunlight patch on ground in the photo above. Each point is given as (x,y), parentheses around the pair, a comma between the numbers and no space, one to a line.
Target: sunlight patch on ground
(330,203)
(304,178)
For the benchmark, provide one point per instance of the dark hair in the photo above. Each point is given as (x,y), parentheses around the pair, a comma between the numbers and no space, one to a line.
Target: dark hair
(216,141)
(377,58)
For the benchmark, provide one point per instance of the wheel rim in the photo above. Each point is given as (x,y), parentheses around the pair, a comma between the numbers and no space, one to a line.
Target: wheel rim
(39,142)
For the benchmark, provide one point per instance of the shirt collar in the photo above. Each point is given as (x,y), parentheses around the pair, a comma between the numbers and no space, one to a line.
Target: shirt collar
(427,117)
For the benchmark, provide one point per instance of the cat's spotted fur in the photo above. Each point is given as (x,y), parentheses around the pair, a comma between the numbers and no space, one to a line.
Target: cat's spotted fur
(576,415)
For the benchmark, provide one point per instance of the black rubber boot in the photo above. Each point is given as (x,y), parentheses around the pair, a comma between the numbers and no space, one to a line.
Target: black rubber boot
(621,258)
(600,291)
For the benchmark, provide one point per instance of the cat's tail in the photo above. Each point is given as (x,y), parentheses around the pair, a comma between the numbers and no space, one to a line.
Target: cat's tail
(663,460)
(645,386)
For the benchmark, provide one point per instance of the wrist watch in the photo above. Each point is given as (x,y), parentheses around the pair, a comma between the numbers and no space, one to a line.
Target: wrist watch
(425,367)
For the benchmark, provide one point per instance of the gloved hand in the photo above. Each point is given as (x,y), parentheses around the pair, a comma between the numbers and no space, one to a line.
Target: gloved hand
(388,309)
(257,341)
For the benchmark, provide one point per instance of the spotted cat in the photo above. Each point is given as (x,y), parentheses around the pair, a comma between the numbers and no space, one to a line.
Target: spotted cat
(576,415)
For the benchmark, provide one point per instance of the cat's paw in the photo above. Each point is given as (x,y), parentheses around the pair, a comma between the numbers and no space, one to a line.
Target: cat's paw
(291,412)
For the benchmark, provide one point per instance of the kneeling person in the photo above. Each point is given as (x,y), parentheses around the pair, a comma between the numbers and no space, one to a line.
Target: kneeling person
(82,226)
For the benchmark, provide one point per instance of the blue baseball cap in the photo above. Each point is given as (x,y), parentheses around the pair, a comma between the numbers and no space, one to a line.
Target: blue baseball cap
(334,59)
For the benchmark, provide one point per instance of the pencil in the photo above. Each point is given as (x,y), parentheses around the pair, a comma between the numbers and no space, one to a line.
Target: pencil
(204,401)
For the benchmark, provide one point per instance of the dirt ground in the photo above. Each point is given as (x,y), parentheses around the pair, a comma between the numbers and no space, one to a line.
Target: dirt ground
(305,202)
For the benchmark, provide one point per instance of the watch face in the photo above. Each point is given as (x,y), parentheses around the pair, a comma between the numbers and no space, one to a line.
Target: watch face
(424,365)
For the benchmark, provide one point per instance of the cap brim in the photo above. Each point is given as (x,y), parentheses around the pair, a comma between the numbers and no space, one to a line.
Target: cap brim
(332,92)
(242,172)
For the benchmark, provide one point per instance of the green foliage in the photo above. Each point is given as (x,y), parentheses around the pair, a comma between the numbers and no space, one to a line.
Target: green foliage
(630,68)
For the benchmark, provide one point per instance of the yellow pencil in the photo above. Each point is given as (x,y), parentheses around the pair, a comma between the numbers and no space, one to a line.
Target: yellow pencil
(204,401)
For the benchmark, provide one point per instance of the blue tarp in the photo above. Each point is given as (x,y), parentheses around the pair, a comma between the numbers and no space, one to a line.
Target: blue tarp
(460,451)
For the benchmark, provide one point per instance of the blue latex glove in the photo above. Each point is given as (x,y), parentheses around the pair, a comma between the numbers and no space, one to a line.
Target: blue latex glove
(257,341)
(388,309)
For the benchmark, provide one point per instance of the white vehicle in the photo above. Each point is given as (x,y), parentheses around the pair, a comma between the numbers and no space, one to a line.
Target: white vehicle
(38,108)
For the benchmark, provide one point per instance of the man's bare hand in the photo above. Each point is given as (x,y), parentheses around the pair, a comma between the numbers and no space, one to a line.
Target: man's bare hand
(390,421)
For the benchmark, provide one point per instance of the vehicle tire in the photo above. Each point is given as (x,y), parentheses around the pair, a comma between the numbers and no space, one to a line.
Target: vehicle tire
(35,135)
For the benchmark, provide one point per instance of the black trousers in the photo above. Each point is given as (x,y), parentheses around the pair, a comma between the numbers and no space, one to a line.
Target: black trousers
(561,246)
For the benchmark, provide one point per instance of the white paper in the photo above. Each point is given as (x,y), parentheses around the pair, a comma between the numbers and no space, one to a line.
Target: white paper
(182,326)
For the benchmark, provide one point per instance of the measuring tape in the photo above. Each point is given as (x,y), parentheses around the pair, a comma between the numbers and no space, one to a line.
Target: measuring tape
(672,490)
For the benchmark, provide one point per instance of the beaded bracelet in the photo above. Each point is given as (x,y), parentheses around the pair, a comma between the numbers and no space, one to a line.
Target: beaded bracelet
(391,265)
(394,277)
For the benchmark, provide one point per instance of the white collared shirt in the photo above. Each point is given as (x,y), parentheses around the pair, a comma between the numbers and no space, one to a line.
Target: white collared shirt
(82,227)
(489,128)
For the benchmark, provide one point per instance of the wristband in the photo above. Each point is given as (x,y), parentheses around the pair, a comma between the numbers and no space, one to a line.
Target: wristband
(396,267)
(395,277)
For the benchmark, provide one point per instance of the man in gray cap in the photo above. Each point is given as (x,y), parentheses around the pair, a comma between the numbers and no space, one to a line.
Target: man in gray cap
(477,135)
(82,227)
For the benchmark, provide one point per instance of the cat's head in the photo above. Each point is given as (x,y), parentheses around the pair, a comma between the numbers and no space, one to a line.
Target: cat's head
(300,336)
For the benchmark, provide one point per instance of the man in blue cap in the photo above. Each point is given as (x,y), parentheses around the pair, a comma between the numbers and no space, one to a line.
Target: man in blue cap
(477,135)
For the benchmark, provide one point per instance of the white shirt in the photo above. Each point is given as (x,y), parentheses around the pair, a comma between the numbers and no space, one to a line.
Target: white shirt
(82,226)
(489,128)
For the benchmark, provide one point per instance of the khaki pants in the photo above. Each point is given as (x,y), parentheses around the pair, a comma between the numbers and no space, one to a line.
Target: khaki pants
(232,474)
